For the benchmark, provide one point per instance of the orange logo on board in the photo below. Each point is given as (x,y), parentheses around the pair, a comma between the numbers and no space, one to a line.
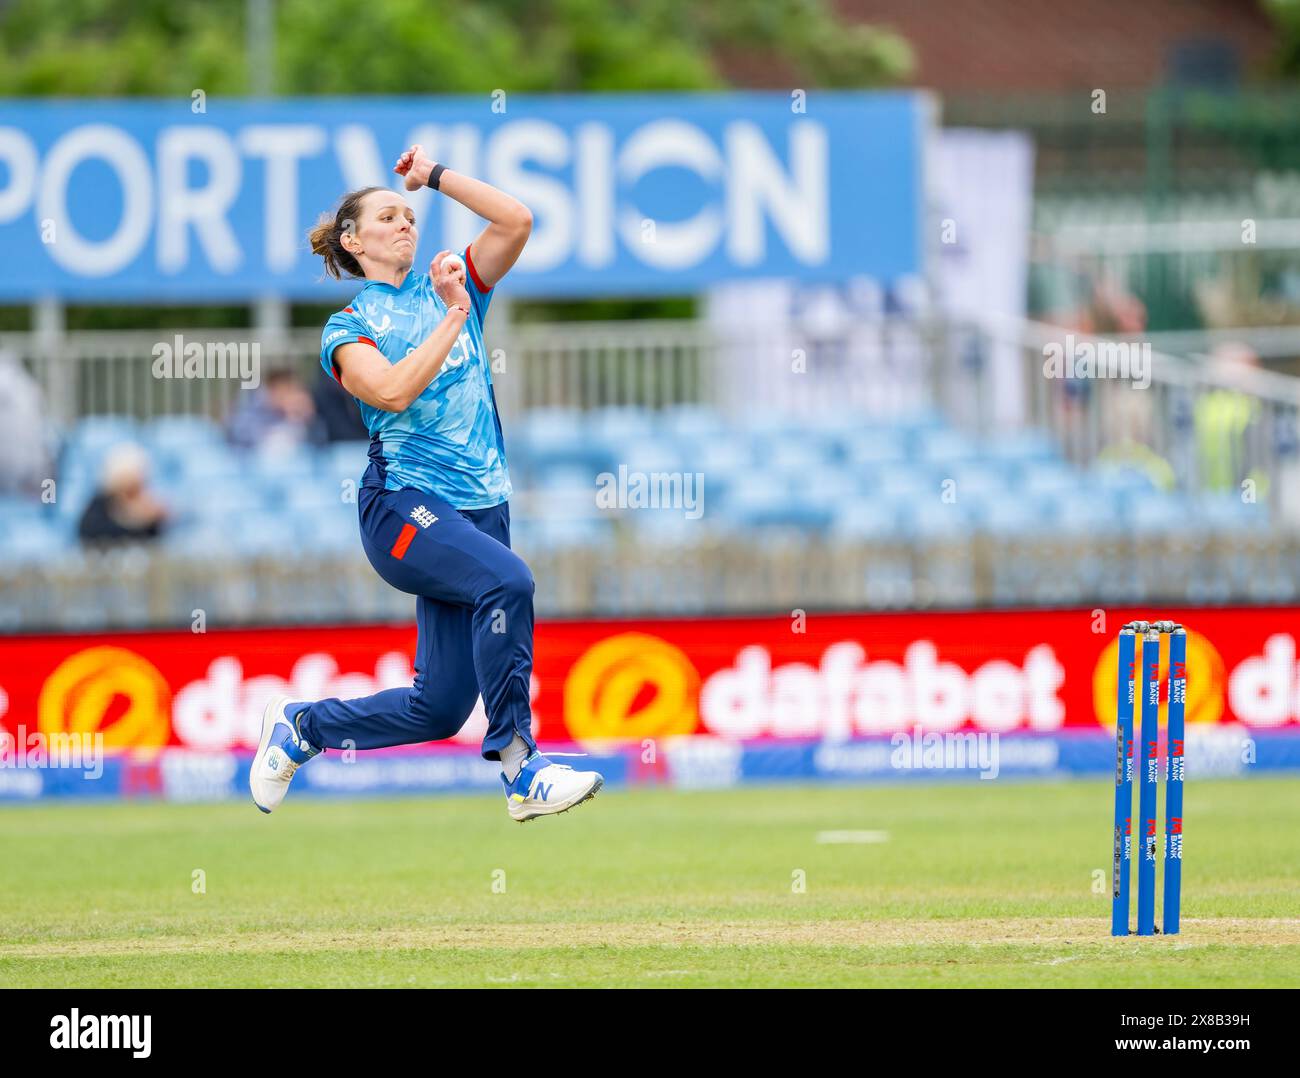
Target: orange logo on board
(632,685)
(1206,682)
(110,691)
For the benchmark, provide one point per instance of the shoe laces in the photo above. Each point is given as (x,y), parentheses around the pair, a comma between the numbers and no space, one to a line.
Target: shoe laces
(290,764)
(550,763)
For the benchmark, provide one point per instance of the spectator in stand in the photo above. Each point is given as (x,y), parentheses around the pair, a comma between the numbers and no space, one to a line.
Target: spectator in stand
(123,509)
(1224,417)
(1107,309)
(279,414)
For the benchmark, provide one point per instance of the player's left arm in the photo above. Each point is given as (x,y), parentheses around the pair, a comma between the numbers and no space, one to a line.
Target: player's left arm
(509,221)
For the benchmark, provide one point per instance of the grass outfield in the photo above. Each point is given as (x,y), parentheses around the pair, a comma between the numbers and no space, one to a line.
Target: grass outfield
(979,884)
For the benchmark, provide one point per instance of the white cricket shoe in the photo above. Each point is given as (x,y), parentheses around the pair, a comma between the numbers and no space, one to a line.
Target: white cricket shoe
(543,788)
(280,752)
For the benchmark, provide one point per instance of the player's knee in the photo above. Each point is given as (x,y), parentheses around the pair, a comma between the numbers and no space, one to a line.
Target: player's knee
(516,582)
(441,714)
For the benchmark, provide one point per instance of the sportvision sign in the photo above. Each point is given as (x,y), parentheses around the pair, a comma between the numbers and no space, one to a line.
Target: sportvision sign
(163,200)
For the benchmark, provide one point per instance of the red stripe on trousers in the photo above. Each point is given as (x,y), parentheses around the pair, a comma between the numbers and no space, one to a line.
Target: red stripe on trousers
(403,541)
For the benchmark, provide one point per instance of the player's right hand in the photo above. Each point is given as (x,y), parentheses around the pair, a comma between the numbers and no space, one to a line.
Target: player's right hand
(448,280)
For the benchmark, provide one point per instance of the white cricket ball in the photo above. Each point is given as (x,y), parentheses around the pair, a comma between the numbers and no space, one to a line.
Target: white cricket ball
(452,262)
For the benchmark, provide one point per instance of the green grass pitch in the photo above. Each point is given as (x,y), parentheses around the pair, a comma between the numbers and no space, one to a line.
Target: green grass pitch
(977,884)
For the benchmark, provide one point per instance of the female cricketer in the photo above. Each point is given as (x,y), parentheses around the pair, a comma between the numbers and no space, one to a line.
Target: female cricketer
(434,502)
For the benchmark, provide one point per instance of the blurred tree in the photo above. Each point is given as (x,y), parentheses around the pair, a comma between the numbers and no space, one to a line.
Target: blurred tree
(1286,16)
(105,48)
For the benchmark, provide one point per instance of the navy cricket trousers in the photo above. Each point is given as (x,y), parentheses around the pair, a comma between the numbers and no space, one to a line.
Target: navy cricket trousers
(474,612)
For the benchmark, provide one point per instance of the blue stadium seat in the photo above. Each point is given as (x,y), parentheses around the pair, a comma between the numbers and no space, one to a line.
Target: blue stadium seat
(1023,446)
(574,501)
(20,506)
(95,434)
(614,426)
(691,423)
(1158,512)
(72,497)
(1088,511)
(202,540)
(798,457)
(263,532)
(227,497)
(670,527)
(283,465)
(721,460)
(199,469)
(920,429)
(977,484)
(768,425)
(84,452)
(650,454)
(34,542)
(875,446)
(1047,480)
(935,519)
(830,486)
(337,531)
(346,460)
(554,437)
(314,498)
(571,477)
(908,483)
(1226,512)
(79,469)
(1123,481)
(22,517)
(183,432)
(915,423)
(560,533)
(757,503)
(1016,516)
(944,446)
(866,520)
(546,427)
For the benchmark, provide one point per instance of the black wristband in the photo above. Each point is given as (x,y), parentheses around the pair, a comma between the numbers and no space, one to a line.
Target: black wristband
(435,176)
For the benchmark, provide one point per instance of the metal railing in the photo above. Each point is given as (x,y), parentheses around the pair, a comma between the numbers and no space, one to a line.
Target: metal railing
(135,588)
(1196,425)
(113,373)
(878,367)
(1213,426)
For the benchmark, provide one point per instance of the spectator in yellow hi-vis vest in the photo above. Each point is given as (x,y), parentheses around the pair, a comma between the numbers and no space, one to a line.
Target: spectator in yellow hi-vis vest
(1223,419)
